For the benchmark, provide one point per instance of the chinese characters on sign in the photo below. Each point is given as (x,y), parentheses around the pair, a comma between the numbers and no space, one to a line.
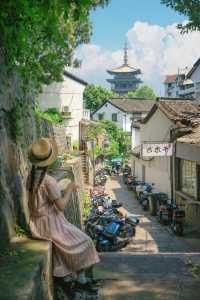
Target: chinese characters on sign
(159,149)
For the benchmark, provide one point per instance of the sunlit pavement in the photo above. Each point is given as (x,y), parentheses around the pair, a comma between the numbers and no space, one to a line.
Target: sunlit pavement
(155,265)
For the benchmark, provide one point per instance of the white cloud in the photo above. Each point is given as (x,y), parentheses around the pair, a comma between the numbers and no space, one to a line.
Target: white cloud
(156,50)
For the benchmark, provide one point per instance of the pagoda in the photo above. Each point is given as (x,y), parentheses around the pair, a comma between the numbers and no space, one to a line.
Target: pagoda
(125,78)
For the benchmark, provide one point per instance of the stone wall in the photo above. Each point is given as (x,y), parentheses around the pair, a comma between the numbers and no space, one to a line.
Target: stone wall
(192,211)
(74,208)
(18,129)
(57,132)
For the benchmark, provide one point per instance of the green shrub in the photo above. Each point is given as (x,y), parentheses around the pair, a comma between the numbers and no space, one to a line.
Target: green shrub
(86,205)
(51,114)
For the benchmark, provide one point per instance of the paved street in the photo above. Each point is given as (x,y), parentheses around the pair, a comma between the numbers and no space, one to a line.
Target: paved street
(153,266)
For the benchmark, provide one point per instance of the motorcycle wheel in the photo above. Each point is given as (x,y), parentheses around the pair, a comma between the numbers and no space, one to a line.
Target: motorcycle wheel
(152,206)
(127,231)
(178,229)
(102,248)
(89,232)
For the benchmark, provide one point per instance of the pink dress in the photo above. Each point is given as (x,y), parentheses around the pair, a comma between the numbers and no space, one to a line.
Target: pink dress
(73,250)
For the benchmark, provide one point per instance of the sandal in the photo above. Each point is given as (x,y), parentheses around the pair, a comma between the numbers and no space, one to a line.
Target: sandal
(95,282)
(85,286)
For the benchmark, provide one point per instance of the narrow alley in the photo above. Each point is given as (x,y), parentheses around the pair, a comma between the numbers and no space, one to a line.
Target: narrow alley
(155,265)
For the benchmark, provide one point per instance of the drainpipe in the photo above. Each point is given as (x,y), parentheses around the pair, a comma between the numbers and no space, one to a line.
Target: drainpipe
(172,165)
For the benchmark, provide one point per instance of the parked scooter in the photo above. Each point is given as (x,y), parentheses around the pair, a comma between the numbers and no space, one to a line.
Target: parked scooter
(155,200)
(174,216)
(109,231)
(143,188)
(130,181)
(116,168)
(136,183)
(100,177)
(115,229)
(107,238)
(126,173)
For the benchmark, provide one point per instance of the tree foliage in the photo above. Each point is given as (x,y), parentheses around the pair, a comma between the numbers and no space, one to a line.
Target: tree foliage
(119,140)
(95,95)
(37,37)
(52,115)
(190,9)
(144,91)
(94,132)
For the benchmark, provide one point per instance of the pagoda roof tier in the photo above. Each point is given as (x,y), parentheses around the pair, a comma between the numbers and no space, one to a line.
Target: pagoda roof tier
(125,68)
(132,80)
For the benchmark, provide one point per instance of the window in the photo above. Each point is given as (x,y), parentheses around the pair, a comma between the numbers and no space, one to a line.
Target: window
(100,116)
(188,177)
(197,85)
(114,117)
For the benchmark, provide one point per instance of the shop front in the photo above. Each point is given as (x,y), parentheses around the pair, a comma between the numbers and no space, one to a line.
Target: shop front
(187,181)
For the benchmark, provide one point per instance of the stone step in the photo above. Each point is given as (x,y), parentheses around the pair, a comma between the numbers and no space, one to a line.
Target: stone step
(26,271)
(130,276)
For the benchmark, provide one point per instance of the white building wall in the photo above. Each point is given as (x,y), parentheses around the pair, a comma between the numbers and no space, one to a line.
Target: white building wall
(123,119)
(157,170)
(66,93)
(195,77)
(107,110)
(172,90)
(135,137)
(127,120)
(157,129)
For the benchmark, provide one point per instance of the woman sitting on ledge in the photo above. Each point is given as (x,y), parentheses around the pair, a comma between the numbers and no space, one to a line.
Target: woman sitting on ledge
(73,250)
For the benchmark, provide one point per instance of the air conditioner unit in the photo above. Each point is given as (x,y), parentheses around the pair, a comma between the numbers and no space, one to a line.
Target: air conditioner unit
(65,109)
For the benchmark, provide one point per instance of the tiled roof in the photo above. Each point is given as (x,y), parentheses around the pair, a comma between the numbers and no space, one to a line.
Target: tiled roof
(74,77)
(170,78)
(132,104)
(195,66)
(193,137)
(124,69)
(181,112)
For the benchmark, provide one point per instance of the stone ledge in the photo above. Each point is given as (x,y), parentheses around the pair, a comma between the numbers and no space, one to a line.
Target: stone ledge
(26,271)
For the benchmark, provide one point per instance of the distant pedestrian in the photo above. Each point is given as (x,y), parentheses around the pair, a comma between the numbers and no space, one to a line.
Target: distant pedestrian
(73,250)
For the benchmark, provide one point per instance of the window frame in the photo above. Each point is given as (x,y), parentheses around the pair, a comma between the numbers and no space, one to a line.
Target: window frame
(114,114)
(102,116)
(180,178)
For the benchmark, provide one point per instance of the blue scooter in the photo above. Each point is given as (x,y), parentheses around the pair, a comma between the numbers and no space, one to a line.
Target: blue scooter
(108,239)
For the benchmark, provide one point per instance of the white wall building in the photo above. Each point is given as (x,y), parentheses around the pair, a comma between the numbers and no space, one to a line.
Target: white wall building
(67,97)
(178,85)
(158,127)
(194,75)
(123,111)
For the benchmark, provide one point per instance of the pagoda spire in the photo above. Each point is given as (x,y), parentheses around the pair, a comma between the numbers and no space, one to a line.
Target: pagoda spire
(125,53)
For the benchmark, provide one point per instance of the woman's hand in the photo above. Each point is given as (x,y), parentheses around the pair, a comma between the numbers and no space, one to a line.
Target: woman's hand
(62,202)
(74,186)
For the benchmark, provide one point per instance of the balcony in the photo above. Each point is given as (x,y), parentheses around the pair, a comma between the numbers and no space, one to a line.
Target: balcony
(86,114)
(187,91)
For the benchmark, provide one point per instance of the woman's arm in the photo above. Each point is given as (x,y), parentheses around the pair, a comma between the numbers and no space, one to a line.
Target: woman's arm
(62,202)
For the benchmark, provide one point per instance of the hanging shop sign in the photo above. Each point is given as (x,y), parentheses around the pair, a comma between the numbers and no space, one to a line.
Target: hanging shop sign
(157,149)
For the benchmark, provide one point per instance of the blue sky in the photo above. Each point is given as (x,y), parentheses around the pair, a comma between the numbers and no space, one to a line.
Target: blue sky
(111,23)
(155,44)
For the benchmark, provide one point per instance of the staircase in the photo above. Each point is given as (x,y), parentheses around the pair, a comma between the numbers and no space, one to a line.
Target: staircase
(84,168)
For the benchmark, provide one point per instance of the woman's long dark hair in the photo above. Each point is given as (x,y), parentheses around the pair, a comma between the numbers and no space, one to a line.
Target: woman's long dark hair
(33,188)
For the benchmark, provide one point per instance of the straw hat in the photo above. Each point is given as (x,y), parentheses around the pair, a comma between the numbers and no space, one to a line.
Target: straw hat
(43,152)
